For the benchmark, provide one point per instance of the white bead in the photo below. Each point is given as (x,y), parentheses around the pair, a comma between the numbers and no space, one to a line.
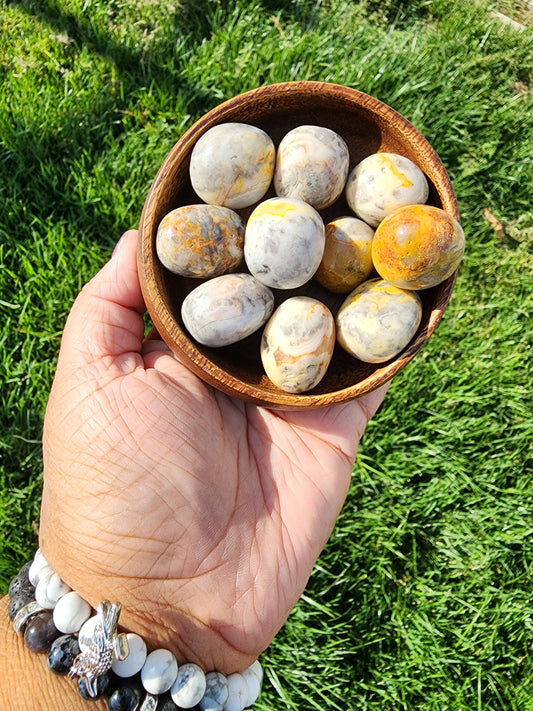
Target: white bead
(49,589)
(71,612)
(86,633)
(43,573)
(238,693)
(159,671)
(254,686)
(216,690)
(189,686)
(257,670)
(135,660)
(39,562)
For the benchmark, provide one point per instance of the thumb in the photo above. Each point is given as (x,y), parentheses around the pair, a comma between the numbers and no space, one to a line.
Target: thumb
(106,318)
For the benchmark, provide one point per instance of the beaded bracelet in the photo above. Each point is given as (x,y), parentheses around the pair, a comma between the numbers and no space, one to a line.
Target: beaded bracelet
(117,666)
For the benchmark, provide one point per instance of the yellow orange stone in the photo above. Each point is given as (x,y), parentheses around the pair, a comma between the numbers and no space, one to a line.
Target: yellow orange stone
(418,246)
(347,258)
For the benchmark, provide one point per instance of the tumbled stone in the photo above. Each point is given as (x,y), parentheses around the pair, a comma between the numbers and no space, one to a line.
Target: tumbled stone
(311,165)
(284,242)
(226,309)
(200,241)
(377,320)
(383,182)
(232,164)
(297,344)
(347,258)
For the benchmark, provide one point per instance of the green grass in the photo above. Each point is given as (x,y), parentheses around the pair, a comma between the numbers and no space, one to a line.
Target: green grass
(422,598)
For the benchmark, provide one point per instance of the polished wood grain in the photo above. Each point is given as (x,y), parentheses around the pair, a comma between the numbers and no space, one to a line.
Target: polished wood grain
(367,126)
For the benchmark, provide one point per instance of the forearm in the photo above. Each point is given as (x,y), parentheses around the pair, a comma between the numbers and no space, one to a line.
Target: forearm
(26,684)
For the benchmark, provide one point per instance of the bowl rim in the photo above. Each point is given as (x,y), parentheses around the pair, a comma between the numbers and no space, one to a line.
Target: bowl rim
(179,341)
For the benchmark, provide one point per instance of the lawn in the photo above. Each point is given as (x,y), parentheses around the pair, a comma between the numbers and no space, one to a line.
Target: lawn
(423,597)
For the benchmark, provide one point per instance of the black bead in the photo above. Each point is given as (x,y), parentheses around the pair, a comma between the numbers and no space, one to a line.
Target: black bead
(17,602)
(62,653)
(127,696)
(21,582)
(40,632)
(165,703)
(103,684)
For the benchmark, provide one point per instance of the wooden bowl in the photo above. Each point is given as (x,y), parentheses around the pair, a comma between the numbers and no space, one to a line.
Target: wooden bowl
(367,125)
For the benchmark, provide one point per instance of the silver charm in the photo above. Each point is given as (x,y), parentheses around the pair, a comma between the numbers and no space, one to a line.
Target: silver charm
(25,614)
(149,703)
(106,646)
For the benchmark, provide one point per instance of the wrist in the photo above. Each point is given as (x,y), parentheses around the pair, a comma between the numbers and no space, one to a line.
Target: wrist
(109,663)
(158,611)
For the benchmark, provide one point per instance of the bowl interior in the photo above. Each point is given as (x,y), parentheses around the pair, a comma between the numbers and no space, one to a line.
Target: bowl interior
(367,126)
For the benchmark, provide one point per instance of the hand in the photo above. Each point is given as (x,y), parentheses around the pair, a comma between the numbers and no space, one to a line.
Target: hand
(201,514)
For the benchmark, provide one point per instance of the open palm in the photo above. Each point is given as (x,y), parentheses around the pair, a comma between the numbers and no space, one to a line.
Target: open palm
(201,514)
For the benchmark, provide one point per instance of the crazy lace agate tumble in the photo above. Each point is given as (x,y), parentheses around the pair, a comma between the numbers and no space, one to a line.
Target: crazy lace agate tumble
(347,259)
(284,242)
(418,246)
(226,309)
(312,165)
(381,183)
(232,164)
(200,240)
(297,344)
(377,321)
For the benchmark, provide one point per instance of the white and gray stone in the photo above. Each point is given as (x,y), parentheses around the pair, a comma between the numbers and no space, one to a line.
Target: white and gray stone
(312,165)
(189,687)
(136,658)
(159,671)
(70,612)
(237,693)
(284,242)
(232,164)
(226,309)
